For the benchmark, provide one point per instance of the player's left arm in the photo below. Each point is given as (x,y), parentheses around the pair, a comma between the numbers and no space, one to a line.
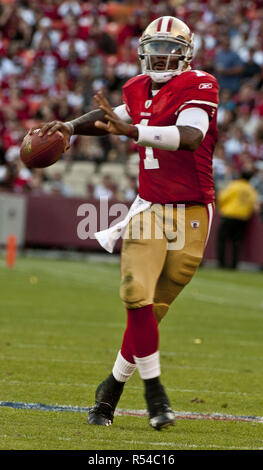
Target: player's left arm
(190,138)
(193,124)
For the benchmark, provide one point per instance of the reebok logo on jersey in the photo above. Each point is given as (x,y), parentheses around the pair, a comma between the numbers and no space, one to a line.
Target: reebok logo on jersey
(205,85)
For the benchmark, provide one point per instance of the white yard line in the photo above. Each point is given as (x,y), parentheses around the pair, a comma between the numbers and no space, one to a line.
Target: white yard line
(86,361)
(156,445)
(132,387)
(176,354)
(225,301)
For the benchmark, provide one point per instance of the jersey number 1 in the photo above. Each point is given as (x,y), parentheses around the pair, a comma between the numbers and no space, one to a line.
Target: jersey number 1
(150,163)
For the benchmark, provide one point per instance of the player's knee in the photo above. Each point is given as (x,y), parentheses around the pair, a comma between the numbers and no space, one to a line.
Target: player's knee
(185,271)
(132,292)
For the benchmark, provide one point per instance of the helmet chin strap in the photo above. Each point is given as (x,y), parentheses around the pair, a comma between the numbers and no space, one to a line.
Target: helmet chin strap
(162,77)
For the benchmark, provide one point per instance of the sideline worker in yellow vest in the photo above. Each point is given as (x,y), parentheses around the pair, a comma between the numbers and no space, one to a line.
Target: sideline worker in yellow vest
(236,203)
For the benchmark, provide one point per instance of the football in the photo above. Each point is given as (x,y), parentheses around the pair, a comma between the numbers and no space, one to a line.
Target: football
(40,152)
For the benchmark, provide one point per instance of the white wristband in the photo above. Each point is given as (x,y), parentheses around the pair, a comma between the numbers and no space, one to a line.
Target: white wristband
(166,138)
(70,127)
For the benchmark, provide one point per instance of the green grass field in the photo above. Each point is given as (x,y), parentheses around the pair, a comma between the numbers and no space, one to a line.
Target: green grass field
(61,327)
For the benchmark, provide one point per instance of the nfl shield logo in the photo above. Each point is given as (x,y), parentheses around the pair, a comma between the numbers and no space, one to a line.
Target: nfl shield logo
(148,103)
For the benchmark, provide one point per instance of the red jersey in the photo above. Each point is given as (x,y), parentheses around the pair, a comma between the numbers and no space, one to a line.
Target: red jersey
(174,176)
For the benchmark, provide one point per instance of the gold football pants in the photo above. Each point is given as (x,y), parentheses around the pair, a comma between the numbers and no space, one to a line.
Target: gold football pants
(161,250)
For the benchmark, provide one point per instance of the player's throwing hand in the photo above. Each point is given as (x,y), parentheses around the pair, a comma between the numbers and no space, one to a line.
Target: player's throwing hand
(51,127)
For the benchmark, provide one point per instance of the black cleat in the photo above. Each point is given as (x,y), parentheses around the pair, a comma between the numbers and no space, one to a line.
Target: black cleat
(101,414)
(107,396)
(162,417)
(160,412)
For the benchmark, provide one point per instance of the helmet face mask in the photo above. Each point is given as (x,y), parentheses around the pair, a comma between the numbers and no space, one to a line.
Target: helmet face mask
(165,54)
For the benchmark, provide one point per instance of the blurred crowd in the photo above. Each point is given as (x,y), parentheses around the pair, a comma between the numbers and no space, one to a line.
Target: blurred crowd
(55,54)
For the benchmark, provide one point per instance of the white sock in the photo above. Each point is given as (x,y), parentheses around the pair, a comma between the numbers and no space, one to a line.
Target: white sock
(122,369)
(149,366)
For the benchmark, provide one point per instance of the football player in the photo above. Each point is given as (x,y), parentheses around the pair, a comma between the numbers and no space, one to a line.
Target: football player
(170,111)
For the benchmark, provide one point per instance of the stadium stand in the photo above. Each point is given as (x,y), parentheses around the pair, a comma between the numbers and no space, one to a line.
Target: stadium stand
(54,55)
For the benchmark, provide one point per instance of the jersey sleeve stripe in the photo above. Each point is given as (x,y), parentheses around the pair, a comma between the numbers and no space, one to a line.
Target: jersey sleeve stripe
(209,103)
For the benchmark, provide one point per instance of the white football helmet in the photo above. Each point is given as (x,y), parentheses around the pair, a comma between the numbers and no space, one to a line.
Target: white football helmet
(166,37)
